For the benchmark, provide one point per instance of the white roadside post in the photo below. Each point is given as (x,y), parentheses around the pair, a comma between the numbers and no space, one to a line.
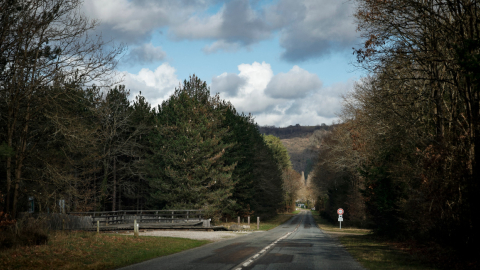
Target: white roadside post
(135,228)
(340,216)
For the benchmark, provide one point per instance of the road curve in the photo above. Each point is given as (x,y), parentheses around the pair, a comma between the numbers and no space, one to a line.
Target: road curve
(296,244)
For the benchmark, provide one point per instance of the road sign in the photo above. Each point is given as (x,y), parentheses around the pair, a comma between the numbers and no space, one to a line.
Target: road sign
(340,218)
(340,211)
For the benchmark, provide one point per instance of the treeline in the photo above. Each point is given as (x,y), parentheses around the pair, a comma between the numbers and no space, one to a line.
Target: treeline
(73,146)
(405,160)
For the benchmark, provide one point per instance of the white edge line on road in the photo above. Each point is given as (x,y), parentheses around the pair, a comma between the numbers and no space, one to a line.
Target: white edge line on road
(264,250)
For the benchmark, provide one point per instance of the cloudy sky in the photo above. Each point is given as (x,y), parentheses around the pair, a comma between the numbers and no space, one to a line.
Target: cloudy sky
(287,61)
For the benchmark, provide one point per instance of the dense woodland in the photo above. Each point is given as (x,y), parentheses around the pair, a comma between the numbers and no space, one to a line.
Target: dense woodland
(406,158)
(70,132)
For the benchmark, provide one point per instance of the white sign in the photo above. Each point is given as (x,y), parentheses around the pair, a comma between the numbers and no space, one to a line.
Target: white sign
(340,211)
(340,218)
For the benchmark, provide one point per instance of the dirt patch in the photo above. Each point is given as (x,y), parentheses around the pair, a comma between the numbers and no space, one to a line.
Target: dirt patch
(212,236)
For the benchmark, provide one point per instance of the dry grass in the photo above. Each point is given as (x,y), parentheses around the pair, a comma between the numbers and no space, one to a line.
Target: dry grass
(86,250)
(274,222)
(376,254)
(373,253)
(265,225)
(335,228)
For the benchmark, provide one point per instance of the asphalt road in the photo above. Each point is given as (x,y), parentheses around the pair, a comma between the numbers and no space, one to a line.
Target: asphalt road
(296,244)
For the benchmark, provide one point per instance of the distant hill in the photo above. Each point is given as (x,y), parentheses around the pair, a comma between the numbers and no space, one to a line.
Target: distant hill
(299,142)
(292,131)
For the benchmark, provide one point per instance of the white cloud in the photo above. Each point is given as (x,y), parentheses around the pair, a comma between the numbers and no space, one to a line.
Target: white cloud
(156,85)
(227,83)
(307,28)
(294,84)
(221,45)
(247,92)
(133,22)
(198,28)
(324,27)
(251,96)
(236,25)
(146,53)
(311,106)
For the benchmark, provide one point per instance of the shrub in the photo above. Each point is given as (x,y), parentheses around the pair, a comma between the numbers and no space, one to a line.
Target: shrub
(23,232)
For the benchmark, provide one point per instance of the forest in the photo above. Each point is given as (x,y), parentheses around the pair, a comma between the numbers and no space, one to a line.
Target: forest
(72,139)
(405,158)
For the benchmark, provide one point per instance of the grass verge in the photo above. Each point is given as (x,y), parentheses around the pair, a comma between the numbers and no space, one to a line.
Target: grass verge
(87,250)
(374,253)
(329,227)
(265,225)
(274,222)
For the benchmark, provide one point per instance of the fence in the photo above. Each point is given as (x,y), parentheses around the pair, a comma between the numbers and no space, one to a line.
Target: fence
(56,221)
(144,216)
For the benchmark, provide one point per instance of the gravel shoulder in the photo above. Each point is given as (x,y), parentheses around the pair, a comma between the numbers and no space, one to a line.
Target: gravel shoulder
(211,236)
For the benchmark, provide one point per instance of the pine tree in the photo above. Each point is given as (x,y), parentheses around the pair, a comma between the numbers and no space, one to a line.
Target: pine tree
(187,167)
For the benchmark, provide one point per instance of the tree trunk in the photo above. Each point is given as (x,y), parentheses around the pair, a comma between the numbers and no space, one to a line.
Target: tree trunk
(75,199)
(11,127)
(119,198)
(95,185)
(18,175)
(114,195)
(20,155)
(9,182)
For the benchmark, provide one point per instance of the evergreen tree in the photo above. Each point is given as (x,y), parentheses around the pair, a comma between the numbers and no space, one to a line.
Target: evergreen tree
(133,192)
(279,151)
(244,135)
(187,168)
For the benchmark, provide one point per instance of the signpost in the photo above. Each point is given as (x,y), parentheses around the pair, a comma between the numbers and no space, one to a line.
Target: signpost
(340,216)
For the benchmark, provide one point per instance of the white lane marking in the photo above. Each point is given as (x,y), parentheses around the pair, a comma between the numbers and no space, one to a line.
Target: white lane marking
(265,249)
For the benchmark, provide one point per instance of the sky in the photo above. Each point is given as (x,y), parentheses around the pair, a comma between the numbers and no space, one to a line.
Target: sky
(286,61)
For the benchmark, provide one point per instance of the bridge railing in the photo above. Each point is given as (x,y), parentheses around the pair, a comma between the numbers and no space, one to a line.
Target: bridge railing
(143,216)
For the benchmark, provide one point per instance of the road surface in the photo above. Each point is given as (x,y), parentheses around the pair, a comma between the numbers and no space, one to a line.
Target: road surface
(296,244)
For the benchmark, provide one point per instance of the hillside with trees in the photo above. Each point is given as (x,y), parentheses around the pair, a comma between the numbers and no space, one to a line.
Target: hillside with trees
(301,142)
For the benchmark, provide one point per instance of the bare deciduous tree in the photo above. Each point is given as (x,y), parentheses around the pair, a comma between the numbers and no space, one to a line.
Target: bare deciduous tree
(42,42)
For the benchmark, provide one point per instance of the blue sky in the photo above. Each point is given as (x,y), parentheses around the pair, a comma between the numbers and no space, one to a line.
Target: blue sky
(287,62)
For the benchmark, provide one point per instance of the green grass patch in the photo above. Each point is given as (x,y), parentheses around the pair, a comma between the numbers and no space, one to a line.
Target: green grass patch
(87,250)
(329,227)
(265,225)
(274,222)
(376,254)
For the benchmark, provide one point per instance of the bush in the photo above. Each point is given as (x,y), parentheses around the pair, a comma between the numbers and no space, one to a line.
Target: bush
(23,232)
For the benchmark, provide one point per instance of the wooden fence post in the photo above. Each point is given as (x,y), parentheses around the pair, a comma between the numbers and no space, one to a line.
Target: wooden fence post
(172,216)
(98,226)
(248,220)
(258,223)
(238,221)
